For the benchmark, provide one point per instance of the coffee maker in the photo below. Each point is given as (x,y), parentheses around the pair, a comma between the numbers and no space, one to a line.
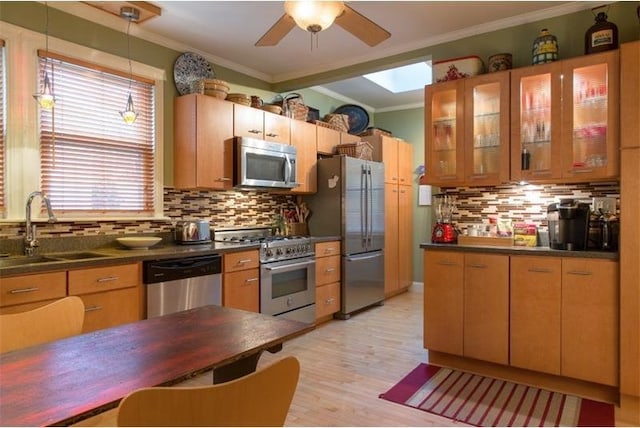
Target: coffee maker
(444,231)
(568,225)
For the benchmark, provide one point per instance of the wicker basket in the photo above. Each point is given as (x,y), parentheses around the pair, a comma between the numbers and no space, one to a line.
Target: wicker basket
(339,122)
(360,150)
(326,125)
(375,131)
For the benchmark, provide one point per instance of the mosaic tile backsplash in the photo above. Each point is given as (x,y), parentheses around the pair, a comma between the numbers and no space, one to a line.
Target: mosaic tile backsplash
(522,203)
(241,209)
(222,209)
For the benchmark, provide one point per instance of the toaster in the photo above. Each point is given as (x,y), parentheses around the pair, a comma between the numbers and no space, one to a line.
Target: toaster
(193,232)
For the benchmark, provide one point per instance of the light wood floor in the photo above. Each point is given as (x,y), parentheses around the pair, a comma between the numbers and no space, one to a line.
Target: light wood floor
(345,365)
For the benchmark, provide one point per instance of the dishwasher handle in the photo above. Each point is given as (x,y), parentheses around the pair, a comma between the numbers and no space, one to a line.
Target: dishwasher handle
(182,268)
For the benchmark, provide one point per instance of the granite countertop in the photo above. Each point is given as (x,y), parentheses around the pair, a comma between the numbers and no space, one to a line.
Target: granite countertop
(116,254)
(529,251)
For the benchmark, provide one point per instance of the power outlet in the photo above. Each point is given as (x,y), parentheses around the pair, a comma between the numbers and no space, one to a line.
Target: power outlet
(608,205)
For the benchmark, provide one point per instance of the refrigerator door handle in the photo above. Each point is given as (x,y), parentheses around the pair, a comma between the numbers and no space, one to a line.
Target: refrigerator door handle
(363,207)
(358,258)
(370,223)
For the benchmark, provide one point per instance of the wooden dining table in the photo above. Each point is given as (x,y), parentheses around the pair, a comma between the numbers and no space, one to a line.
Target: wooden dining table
(63,382)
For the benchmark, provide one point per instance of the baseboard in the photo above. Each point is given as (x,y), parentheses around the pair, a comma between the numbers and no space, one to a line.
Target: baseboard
(628,413)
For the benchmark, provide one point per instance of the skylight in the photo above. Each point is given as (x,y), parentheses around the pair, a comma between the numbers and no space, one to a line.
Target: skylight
(403,79)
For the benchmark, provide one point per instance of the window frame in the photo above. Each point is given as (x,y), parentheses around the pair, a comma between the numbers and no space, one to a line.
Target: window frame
(22,160)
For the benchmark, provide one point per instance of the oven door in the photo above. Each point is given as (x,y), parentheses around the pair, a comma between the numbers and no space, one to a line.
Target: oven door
(287,286)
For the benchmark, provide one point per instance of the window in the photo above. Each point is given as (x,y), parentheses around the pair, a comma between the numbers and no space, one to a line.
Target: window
(91,161)
(2,145)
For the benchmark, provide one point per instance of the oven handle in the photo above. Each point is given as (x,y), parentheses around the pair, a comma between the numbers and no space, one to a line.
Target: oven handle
(290,266)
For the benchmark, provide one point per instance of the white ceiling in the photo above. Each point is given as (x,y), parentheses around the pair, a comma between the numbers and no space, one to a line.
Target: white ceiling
(225,32)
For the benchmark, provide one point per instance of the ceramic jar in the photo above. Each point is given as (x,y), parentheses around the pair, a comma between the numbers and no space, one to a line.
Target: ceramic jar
(499,62)
(545,48)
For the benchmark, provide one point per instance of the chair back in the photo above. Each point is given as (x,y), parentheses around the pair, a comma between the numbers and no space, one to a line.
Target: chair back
(261,398)
(57,320)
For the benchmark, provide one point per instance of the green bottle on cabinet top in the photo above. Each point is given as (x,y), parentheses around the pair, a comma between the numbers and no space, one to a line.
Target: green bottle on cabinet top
(601,36)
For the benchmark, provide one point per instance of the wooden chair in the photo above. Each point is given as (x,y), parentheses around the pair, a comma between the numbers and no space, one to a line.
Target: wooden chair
(57,320)
(261,398)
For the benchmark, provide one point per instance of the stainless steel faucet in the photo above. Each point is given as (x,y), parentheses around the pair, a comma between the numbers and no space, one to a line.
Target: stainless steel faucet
(30,241)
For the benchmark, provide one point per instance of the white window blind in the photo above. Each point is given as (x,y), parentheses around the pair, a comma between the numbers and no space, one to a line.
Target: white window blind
(91,161)
(2,131)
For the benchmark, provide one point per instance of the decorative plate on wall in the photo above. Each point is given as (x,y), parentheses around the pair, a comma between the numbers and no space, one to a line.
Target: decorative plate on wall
(358,117)
(189,68)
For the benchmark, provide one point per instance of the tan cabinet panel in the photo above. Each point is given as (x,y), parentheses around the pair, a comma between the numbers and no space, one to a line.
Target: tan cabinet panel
(536,284)
(95,280)
(590,299)
(328,139)
(327,270)
(443,301)
(110,308)
(391,250)
(241,260)
(248,122)
(277,128)
(486,307)
(241,290)
(327,299)
(304,139)
(324,249)
(22,289)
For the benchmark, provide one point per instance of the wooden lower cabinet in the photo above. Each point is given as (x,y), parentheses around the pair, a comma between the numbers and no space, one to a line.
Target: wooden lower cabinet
(111,294)
(241,281)
(535,313)
(327,279)
(590,299)
(486,307)
(25,292)
(110,308)
(443,301)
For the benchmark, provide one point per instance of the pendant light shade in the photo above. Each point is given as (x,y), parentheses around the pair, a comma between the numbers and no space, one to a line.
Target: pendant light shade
(45,98)
(313,16)
(129,115)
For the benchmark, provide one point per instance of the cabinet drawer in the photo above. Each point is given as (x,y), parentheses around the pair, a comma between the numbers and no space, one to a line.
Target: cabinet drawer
(241,290)
(241,260)
(33,288)
(327,270)
(94,280)
(110,308)
(327,299)
(324,249)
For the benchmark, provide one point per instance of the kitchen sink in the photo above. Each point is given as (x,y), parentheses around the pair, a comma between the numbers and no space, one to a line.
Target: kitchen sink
(77,256)
(25,260)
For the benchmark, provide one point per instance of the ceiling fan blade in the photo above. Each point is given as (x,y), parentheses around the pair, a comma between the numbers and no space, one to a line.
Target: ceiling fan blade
(362,27)
(277,32)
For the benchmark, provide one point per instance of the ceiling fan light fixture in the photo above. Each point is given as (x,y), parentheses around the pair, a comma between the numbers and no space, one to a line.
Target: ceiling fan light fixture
(313,15)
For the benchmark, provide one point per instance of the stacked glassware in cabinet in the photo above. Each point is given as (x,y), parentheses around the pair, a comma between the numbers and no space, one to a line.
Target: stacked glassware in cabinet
(486,129)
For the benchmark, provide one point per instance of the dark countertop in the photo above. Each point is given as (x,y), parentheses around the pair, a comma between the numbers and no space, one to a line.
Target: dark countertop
(109,255)
(529,251)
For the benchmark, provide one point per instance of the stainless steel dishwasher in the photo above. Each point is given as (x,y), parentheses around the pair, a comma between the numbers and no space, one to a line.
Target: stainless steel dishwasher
(179,284)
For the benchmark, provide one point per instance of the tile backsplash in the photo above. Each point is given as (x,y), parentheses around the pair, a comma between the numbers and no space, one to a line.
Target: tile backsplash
(522,203)
(222,209)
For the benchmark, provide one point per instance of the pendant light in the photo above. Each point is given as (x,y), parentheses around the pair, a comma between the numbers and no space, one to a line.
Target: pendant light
(129,115)
(45,98)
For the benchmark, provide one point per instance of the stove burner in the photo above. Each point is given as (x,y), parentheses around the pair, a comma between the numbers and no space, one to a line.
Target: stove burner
(272,247)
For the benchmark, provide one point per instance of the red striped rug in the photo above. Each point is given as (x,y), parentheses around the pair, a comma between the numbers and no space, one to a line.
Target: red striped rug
(482,401)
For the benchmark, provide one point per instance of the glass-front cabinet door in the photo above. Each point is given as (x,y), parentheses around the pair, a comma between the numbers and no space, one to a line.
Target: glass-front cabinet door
(536,124)
(444,133)
(590,117)
(487,129)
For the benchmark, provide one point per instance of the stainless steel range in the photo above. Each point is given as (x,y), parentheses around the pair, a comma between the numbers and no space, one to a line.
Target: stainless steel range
(287,271)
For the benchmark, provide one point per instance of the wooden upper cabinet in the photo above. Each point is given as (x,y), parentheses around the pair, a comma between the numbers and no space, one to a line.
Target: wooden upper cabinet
(629,90)
(590,117)
(405,164)
(303,138)
(248,121)
(328,139)
(535,126)
(565,120)
(444,133)
(486,129)
(203,143)
(345,137)
(397,156)
(277,128)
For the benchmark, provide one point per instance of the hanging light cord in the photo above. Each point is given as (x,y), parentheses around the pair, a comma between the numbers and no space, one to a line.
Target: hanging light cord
(129,54)
(46,40)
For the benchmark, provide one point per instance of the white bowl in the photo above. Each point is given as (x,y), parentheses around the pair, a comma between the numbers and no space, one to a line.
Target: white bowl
(139,242)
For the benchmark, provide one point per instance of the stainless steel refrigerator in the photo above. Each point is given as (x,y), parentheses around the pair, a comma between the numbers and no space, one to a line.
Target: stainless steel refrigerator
(350,204)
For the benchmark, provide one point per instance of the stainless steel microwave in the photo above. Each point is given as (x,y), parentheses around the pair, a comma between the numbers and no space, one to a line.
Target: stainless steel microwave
(262,164)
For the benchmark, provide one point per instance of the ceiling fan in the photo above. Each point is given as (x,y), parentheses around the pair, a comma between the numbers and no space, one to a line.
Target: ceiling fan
(315,16)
